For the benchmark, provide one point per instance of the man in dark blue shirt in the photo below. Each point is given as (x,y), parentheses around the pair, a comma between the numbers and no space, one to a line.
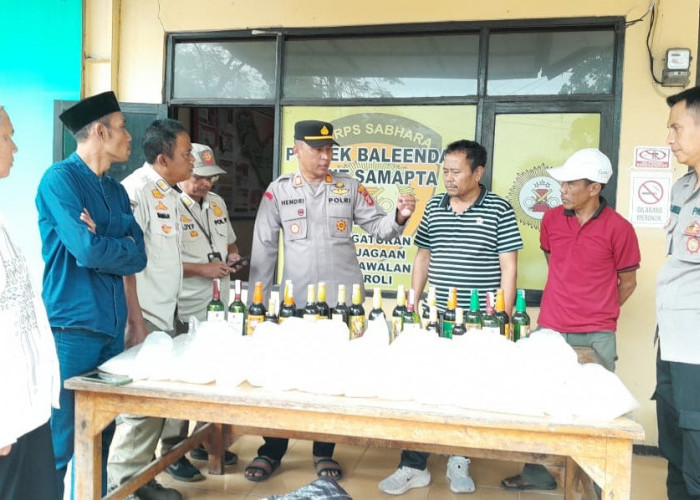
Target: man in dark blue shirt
(90,241)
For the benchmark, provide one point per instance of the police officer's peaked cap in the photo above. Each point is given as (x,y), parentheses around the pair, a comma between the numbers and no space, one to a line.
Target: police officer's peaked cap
(315,133)
(88,110)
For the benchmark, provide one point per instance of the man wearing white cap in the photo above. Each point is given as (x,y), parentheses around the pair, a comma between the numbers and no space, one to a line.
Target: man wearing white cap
(593,256)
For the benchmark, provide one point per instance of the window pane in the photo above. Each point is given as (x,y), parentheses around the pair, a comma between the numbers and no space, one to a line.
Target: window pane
(225,70)
(381,67)
(578,62)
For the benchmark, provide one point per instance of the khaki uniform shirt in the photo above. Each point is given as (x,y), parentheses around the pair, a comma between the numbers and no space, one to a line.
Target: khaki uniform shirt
(678,284)
(155,203)
(197,222)
(316,233)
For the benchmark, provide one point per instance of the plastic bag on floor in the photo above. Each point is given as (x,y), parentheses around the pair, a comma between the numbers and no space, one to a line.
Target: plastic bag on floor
(321,489)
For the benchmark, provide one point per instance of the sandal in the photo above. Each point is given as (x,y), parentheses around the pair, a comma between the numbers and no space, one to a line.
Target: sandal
(327,468)
(264,465)
(523,482)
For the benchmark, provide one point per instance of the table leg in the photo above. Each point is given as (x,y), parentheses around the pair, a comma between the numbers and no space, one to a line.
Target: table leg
(88,450)
(618,470)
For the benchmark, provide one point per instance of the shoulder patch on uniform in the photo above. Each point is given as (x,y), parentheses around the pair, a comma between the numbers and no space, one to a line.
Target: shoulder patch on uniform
(365,194)
(268,195)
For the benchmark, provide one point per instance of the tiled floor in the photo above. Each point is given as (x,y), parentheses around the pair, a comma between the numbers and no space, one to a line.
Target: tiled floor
(365,467)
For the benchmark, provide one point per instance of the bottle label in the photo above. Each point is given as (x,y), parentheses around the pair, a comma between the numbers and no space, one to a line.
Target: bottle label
(506,330)
(216,315)
(495,330)
(236,320)
(357,326)
(253,323)
(396,327)
(473,326)
(447,327)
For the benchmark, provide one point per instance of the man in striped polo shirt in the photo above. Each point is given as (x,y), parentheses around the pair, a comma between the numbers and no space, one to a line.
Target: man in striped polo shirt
(468,238)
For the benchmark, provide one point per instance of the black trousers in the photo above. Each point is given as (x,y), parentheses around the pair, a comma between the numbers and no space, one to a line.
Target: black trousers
(677,398)
(275,448)
(28,472)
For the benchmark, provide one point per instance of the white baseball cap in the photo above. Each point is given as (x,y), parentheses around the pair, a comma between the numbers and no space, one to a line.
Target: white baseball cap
(204,162)
(587,163)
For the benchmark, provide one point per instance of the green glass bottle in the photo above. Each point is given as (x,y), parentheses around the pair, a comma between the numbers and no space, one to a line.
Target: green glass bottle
(474,317)
(310,309)
(489,321)
(398,312)
(216,311)
(502,315)
(430,301)
(236,311)
(433,325)
(256,311)
(411,320)
(458,328)
(289,308)
(377,312)
(448,318)
(341,311)
(521,320)
(356,314)
(324,312)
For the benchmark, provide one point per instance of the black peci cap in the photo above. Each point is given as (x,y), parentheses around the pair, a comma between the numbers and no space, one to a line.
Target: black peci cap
(88,110)
(315,133)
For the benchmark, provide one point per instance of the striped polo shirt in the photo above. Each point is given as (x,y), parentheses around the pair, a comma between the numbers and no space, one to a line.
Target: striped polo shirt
(464,248)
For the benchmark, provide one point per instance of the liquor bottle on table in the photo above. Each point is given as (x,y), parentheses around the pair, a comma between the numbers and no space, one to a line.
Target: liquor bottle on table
(501,314)
(310,309)
(341,311)
(521,320)
(398,312)
(324,312)
(216,311)
(411,320)
(433,325)
(289,308)
(474,317)
(271,313)
(489,321)
(236,311)
(356,314)
(377,312)
(448,318)
(256,311)
(430,301)
(458,328)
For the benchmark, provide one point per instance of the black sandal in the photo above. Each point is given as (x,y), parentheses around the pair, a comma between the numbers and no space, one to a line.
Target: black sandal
(265,465)
(327,468)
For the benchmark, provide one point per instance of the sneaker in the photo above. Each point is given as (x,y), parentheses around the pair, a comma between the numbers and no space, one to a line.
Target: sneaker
(183,470)
(404,479)
(153,490)
(199,453)
(458,475)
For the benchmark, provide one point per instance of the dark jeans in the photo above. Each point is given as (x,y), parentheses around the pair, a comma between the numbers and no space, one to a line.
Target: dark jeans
(275,448)
(414,459)
(677,398)
(79,351)
(25,474)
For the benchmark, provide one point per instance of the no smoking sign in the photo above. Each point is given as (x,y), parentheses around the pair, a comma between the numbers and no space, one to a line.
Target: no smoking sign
(649,200)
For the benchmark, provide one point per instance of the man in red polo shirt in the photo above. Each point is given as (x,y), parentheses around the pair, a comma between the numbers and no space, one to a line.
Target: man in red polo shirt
(593,257)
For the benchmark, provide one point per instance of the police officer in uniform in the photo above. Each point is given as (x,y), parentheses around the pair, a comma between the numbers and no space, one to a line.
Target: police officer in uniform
(315,209)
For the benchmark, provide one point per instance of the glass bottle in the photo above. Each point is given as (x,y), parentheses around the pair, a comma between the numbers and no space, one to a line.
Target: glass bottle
(448,319)
(289,308)
(521,320)
(356,313)
(377,312)
(256,311)
(216,311)
(489,321)
(433,325)
(310,309)
(430,301)
(398,312)
(501,314)
(474,317)
(459,328)
(271,313)
(411,320)
(324,312)
(236,311)
(341,311)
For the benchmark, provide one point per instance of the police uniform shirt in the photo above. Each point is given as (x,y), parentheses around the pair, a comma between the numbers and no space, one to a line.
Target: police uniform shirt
(154,203)
(195,218)
(678,284)
(317,232)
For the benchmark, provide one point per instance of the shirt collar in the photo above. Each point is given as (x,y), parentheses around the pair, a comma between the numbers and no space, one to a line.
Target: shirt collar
(603,204)
(445,202)
(161,183)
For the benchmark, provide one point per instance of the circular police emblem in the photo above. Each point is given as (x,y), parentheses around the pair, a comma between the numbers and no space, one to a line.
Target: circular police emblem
(533,193)
(294,228)
(341,225)
(693,245)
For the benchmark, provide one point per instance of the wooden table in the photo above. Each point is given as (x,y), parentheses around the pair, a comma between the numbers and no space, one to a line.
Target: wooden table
(601,450)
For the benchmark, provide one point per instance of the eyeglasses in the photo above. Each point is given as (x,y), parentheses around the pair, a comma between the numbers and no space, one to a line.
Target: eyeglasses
(213,179)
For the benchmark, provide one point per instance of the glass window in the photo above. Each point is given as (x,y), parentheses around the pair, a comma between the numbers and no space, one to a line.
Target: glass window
(225,70)
(577,62)
(381,67)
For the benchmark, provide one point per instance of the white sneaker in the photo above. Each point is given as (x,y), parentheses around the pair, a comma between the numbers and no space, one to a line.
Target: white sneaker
(404,479)
(458,475)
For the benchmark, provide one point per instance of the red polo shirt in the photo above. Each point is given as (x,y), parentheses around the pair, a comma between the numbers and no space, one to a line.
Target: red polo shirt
(581,291)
